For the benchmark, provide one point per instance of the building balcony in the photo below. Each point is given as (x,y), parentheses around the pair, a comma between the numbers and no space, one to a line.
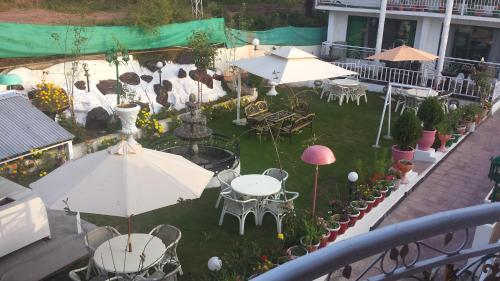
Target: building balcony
(456,77)
(478,8)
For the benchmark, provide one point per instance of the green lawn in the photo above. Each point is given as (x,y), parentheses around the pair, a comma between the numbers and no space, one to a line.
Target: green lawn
(348,130)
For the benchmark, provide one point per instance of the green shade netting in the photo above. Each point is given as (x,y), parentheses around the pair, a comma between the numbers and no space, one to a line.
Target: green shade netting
(29,40)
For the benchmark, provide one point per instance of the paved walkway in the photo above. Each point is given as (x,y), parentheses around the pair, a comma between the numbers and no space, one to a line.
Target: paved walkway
(459,181)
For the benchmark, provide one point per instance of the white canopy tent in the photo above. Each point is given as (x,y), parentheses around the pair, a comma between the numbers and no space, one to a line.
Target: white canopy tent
(288,65)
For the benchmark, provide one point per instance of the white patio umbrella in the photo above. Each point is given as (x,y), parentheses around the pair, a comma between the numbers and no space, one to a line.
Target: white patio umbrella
(289,65)
(123,181)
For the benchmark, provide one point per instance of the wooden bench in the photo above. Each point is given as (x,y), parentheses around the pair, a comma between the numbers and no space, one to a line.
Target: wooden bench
(298,123)
(257,112)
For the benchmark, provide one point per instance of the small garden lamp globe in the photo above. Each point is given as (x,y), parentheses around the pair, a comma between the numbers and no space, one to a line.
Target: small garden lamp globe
(160,65)
(317,155)
(214,264)
(453,107)
(255,43)
(352,177)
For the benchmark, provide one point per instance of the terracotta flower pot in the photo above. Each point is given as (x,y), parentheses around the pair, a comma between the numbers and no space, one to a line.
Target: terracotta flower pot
(370,206)
(378,199)
(405,167)
(426,140)
(443,138)
(323,241)
(362,211)
(353,219)
(398,154)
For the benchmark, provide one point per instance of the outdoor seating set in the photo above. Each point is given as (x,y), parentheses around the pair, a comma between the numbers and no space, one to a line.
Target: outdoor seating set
(412,98)
(344,89)
(255,194)
(142,257)
(262,121)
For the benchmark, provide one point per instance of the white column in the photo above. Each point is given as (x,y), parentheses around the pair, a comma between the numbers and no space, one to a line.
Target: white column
(444,36)
(70,150)
(238,102)
(331,27)
(381,24)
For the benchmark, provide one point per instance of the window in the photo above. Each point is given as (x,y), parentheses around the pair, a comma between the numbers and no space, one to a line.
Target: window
(472,42)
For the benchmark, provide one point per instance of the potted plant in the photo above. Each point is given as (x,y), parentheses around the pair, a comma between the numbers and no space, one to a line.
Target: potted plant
(296,251)
(407,130)
(313,233)
(366,195)
(339,214)
(378,197)
(353,214)
(383,187)
(405,166)
(361,206)
(470,114)
(445,131)
(324,232)
(430,113)
(333,227)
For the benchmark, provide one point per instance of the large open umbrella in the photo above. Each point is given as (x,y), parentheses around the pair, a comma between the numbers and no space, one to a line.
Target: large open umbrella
(123,181)
(288,65)
(404,53)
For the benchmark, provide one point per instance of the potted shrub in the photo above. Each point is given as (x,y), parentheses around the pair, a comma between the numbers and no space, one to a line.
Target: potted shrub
(430,113)
(407,130)
(445,131)
(382,187)
(353,214)
(366,195)
(339,214)
(378,197)
(313,233)
(405,166)
(333,227)
(296,252)
(470,113)
(361,206)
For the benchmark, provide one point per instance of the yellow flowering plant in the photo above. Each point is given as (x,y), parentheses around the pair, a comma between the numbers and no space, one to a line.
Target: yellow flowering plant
(149,124)
(51,98)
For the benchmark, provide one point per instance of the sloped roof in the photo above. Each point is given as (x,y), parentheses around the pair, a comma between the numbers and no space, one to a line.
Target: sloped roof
(23,127)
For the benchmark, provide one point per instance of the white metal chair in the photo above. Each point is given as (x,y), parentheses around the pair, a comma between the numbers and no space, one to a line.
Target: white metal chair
(170,236)
(238,208)
(357,92)
(161,275)
(327,87)
(278,207)
(337,92)
(225,177)
(277,173)
(94,239)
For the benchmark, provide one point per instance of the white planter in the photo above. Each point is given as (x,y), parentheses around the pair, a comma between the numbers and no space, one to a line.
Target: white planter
(128,116)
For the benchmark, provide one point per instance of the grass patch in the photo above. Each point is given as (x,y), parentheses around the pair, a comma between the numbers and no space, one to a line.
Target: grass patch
(349,131)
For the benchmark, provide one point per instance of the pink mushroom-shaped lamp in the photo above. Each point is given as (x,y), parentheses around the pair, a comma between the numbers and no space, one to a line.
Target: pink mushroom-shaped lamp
(317,155)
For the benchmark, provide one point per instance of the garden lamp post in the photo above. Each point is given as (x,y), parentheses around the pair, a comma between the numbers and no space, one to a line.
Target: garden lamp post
(87,75)
(317,155)
(352,177)
(113,57)
(160,65)
(255,43)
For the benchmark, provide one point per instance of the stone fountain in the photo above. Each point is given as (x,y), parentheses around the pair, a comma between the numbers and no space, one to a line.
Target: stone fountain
(193,129)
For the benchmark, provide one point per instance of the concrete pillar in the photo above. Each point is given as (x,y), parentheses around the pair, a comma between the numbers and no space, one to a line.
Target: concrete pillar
(381,24)
(331,27)
(444,35)
(70,150)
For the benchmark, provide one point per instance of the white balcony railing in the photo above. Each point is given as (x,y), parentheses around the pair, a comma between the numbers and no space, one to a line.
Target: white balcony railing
(481,8)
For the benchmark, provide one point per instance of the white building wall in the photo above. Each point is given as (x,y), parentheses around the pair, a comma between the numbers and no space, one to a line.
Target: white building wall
(427,34)
(337,26)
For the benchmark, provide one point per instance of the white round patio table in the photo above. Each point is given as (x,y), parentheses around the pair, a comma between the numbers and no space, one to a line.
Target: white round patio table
(346,82)
(113,255)
(256,185)
(422,93)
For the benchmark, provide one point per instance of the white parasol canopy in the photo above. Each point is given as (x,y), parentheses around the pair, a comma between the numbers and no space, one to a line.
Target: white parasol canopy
(289,65)
(123,181)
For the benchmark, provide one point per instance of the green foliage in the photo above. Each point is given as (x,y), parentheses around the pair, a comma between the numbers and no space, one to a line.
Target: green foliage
(203,52)
(254,81)
(470,111)
(430,113)
(448,124)
(243,259)
(149,14)
(371,170)
(73,127)
(483,80)
(407,130)
(107,142)
(313,231)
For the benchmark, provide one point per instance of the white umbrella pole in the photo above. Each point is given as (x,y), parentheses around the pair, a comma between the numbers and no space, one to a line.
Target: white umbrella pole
(78,223)
(386,101)
(129,242)
(238,101)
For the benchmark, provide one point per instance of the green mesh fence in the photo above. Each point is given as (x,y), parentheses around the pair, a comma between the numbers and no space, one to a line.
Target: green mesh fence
(28,40)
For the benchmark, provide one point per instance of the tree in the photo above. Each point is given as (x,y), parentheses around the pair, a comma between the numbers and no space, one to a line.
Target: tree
(203,55)
(149,14)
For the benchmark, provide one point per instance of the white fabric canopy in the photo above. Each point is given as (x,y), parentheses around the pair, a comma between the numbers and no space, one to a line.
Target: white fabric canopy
(123,181)
(289,65)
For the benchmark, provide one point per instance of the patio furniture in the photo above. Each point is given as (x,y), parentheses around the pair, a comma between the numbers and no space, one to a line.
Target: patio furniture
(95,238)
(356,93)
(79,274)
(337,92)
(161,275)
(225,177)
(238,208)
(114,255)
(170,236)
(278,207)
(279,116)
(297,124)
(256,112)
(277,173)
(255,185)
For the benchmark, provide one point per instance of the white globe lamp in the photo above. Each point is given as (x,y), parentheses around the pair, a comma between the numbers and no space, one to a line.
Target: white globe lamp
(255,43)
(453,106)
(214,264)
(352,176)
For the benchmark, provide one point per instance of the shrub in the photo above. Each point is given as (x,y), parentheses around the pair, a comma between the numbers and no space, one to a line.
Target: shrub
(407,130)
(149,14)
(430,113)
